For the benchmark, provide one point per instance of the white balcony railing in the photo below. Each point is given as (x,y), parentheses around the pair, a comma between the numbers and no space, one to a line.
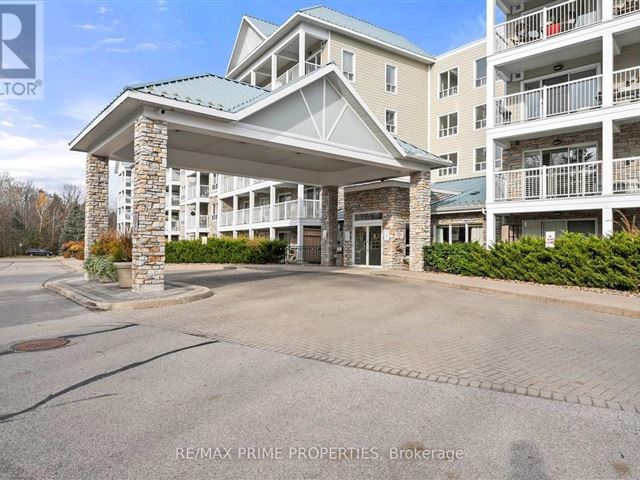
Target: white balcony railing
(310,67)
(626,175)
(225,219)
(312,209)
(204,221)
(285,210)
(261,214)
(623,7)
(243,217)
(552,100)
(204,190)
(173,226)
(547,22)
(626,85)
(558,181)
(287,77)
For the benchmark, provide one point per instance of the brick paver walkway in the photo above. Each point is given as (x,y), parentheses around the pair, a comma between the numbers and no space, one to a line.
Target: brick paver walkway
(419,330)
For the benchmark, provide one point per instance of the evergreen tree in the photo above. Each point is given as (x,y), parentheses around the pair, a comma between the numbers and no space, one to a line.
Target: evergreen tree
(73,228)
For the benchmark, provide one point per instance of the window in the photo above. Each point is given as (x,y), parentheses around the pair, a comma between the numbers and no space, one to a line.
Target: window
(481,72)
(391,78)
(391,121)
(537,228)
(480,159)
(349,65)
(284,197)
(459,233)
(451,169)
(448,125)
(560,156)
(407,243)
(481,116)
(449,83)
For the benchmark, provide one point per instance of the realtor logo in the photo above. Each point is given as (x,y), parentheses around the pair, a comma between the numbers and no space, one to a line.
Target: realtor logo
(20,49)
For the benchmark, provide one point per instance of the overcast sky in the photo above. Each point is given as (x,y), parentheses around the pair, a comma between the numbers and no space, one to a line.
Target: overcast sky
(94,49)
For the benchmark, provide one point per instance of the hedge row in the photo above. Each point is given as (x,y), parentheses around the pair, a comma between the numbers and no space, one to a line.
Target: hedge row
(225,250)
(586,261)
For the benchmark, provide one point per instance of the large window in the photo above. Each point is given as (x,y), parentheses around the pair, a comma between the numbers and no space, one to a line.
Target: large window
(449,83)
(481,72)
(349,65)
(451,169)
(480,113)
(448,125)
(480,159)
(459,233)
(560,156)
(538,228)
(391,121)
(391,78)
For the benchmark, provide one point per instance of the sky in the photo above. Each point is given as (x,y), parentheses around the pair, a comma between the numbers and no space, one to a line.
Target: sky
(94,49)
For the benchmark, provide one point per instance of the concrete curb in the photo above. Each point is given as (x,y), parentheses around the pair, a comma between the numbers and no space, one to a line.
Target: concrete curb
(580,304)
(59,287)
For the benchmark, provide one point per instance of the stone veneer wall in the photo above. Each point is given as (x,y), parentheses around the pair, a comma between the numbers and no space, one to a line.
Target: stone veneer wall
(393,202)
(626,143)
(329,222)
(419,218)
(96,206)
(149,177)
(513,158)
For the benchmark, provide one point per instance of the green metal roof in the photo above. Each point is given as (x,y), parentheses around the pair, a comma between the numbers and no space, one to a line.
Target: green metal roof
(417,152)
(206,90)
(365,28)
(472,192)
(266,28)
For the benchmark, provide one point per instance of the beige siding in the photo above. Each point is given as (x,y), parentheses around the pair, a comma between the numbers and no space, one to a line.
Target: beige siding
(464,103)
(411,100)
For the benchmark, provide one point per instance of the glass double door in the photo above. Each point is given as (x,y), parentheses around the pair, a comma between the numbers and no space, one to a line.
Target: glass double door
(367,245)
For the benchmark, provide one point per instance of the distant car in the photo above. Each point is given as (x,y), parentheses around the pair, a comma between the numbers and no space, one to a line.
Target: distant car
(42,252)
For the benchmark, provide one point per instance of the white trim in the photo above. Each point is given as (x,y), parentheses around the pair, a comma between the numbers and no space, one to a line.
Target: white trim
(475,116)
(395,78)
(475,162)
(475,73)
(460,49)
(395,120)
(335,124)
(457,87)
(306,104)
(235,43)
(449,127)
(342,52)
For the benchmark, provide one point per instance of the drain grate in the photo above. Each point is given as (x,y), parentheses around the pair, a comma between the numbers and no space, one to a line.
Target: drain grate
(41,344)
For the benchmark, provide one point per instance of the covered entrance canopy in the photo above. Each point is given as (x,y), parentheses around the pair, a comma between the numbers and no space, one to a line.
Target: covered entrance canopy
(315,130)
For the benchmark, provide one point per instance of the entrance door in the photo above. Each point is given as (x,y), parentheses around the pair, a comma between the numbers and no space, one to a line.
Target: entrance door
(367,245)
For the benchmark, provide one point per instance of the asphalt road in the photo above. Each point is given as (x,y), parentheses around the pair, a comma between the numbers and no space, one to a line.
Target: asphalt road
(130,401)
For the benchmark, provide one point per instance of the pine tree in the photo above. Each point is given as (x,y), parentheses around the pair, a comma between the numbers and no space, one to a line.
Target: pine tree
(73,228)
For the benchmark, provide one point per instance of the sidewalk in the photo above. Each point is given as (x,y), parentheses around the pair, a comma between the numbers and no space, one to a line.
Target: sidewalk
(614,303)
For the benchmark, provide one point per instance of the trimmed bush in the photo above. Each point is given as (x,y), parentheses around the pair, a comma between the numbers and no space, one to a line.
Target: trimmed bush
(101,267)
(226,250)
(585,261)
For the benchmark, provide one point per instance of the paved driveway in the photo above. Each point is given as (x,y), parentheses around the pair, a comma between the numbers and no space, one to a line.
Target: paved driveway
(435,333)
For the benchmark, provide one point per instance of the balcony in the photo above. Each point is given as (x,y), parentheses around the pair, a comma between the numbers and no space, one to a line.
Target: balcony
(174,226)
(194,192)
(549,101)
(243,217)
(225,219)
(548,22)
(291,74)
(626,175)
(626,85)
(197,221)
(559,181)
(261,214)
(624,7)
(312,209)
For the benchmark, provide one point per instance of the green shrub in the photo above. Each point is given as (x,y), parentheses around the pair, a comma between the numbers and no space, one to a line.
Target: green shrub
(586,261)
(101,267)
(226,250)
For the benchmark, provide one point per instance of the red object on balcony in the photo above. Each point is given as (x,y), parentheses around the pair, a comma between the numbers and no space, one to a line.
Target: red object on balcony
(553,29)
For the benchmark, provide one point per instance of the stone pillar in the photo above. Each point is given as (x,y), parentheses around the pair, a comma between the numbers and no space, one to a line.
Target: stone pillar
(149,174)
(329,225)
(96,206)
(419,218)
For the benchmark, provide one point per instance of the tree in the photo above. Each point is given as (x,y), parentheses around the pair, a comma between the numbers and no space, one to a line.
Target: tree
(73,228)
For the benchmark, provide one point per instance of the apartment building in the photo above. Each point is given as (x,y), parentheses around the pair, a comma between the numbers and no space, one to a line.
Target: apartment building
(536,122)
(191,202)
(563,137)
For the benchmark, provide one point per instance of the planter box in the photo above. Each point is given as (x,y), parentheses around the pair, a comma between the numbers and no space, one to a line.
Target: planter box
(124,274)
